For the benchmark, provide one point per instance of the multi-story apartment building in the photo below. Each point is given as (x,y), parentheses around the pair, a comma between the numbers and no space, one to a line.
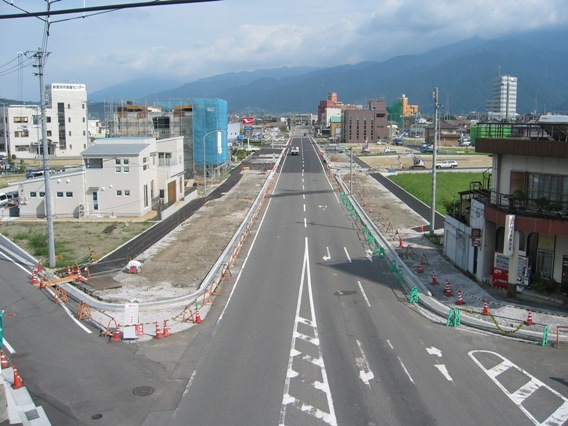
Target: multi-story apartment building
(503,104)
(513,227)
(366,125)
(66,124)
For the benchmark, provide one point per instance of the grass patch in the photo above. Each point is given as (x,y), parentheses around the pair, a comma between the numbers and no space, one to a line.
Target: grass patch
(448,184)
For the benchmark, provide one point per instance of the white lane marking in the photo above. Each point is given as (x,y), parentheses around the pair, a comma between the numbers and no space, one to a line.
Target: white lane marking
(347,254)
(405,370)
(558,417)
(444,371)
(290,400)
(248,254)
(363,293)
(328,256)
(390,344)
(304,197)
(434,351)
(52,294)
(5,344)
(365,373)
(305,223)
(304,207)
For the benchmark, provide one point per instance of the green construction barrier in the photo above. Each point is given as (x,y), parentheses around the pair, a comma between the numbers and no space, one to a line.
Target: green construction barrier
(454,318)
(414,297)
(392,266)
(545,335)
(379,251)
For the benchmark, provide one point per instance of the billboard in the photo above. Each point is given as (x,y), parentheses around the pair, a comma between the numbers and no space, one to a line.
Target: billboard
(248,121)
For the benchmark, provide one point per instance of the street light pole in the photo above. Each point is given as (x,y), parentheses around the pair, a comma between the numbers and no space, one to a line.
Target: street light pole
(204,159)
(434,148)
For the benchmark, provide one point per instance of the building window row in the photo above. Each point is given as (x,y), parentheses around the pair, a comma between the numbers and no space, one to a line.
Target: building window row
(552,187)
(120,193)
(68,194)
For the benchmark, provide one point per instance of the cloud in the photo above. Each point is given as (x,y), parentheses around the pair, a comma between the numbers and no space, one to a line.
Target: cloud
(197,40)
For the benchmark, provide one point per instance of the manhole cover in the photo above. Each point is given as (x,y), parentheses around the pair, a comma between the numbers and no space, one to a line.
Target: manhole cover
(97,416)
(143,390)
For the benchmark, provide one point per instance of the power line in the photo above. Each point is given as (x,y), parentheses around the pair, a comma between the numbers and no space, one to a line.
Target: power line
(100,8)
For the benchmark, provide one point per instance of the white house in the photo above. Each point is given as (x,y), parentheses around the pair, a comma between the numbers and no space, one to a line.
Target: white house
(120,177)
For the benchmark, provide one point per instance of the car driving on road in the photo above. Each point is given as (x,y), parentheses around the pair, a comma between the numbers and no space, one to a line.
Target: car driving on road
(447,164)
(295,150)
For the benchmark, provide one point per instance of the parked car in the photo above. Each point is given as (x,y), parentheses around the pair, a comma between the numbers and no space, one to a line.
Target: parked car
(389,150)
(447,164)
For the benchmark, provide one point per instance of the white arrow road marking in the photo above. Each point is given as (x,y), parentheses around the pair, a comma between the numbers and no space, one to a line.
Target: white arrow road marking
(434,351)
(328,255)
(322,207)
(444,371)
(365,373)
(347,254)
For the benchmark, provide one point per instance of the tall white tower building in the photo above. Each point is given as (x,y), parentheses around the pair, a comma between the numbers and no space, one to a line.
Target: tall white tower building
(503,105)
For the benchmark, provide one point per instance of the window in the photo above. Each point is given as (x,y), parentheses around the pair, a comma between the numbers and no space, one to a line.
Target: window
(117,169)
(49,133)
(127,192)
(69,119)
(145,195)
(20,119)
(22,133)
(48,119)
(126,169)
(545,264)
(60,194)
(33,194)
(117,161)
(69,132)
(42,194)
(94,163)
(69,194)
(552,187)
(119,193)
(126,161)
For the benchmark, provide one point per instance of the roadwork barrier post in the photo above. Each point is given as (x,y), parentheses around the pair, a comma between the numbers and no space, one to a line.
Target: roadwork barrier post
(454,318)
(414,297)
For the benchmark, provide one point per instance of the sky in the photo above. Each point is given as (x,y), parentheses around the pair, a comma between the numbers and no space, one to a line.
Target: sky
(192,41)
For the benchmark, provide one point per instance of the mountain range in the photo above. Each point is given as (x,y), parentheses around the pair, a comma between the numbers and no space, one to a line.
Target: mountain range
(463,72)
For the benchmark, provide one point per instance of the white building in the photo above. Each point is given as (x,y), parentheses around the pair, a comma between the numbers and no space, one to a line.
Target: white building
(120,177)
(503,104)
(66,123)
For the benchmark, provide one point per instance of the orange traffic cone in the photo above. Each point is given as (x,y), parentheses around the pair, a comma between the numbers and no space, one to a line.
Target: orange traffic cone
(39,267)
(434,279)
(421,229)
(5,363)
(34,277)
(166,329)
(79,276)
(529,320)
(400,242)
(41,283)
(448,289)
(18,383)
(116,334)
(69,273)
(420,269)
(159,333)
(197,319)
(485,307)
(460,300)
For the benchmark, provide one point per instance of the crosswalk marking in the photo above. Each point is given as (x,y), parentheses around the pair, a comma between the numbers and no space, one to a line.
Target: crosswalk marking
(557,418)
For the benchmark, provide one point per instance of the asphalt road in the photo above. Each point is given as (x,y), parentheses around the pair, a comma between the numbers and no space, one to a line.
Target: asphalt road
(313,331)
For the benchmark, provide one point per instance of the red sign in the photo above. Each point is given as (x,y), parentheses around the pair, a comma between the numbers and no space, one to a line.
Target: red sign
(248,121)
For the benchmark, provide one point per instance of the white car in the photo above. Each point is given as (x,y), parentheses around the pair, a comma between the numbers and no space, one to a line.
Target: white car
(294,150)
(447,164)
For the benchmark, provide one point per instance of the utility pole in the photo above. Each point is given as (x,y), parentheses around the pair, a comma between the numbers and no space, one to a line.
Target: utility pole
(40,56)
(434,149)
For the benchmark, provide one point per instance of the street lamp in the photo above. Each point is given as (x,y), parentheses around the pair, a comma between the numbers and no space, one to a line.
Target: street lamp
(204,160)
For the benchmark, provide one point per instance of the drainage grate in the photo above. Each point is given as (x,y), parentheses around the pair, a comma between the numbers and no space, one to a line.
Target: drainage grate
(32,415)
(143,391)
